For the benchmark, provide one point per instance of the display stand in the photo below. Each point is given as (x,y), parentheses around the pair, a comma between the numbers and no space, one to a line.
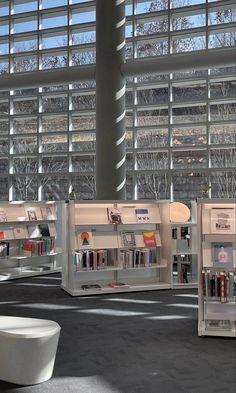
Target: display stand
(217,272)
(29,242)
(117,246)
(184,251)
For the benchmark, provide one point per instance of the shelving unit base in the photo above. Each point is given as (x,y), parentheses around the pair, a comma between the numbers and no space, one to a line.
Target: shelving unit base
(107,290)
(216,333)
(27,273)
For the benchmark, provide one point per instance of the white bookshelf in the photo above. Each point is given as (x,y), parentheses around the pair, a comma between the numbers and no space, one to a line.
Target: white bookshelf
(29,239)
(217,270)
(149,270)
(184,258)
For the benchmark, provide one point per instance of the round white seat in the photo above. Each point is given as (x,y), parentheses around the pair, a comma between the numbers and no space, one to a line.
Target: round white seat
(28,349)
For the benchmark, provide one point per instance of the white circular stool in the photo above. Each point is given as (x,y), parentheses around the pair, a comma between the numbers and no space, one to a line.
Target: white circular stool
(28,349)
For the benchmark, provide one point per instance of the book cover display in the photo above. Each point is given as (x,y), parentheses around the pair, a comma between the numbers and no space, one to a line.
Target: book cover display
(223,220)
(149,239)
(222,254)
(142,215)
(85,239)
(4,249)
(128,239)
(3,216)
(114,216)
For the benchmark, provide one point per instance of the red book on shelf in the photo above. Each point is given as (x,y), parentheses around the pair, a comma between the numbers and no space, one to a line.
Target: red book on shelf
(222,287)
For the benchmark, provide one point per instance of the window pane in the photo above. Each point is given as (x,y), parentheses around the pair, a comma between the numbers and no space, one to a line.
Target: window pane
(54,20)
(189,136)
(24,6)
(54,104)
(189,159)
(188,44)
(220,40)
(83,57)
(4,187)
(152,138)
(55,143)
(223,89)
(84,186)
(21,25)
(152,48)
(25,64)
(152,117)
(182,3)
(4,28)
(223,158)
(4,66)
(223,111)
(189,92)
(83,121)
(25,188)
(83,142)
(223,184)
(82,16)
(80,101)
(152,96)
(54,123)
(25,106)
(54,40)
(3,146)
(54,164)
(222,16)
(50,61)
(189,114)
(222,134)
(4,162)
(152,26)
(150,6)
(25,165)
(4,123)
(24,145)
(4,10)
(83,163)
(152,160)
(4,107)
(82,37)
(188,21)
(25,125)
(188,186)
(4,48)
(53,3)
(57,186)
(24,44)
(153,186)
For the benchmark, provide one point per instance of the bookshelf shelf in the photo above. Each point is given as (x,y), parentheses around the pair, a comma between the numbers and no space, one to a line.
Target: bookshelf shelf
(217,269)
(29,237)
(184,251)
(117,241)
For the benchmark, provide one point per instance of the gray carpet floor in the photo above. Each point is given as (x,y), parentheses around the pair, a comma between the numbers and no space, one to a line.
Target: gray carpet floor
(143,342)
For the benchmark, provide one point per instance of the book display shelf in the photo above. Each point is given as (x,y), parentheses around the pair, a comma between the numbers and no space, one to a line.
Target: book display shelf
(117,246)
(217,275)
(28,239)
(184,250)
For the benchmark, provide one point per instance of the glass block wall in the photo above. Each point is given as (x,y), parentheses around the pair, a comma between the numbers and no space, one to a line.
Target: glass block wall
(180,127)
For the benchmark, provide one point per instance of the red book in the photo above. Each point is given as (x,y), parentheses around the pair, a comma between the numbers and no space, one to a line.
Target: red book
(222,287)
(2,236)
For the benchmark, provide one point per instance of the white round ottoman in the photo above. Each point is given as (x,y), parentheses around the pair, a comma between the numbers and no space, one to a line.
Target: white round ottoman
(27,349)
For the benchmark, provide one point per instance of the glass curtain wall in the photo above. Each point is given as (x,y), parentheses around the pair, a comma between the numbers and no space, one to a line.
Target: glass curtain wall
(180,137)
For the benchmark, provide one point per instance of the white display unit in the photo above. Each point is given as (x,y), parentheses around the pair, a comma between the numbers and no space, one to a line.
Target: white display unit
(217,270)
(29,239)
(184,264)
(106,261)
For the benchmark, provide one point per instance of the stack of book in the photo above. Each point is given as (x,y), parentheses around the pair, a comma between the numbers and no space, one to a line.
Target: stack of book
(90,259)
(136,258)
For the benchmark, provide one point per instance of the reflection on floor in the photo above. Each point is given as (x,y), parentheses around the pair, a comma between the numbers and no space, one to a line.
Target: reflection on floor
(144,342)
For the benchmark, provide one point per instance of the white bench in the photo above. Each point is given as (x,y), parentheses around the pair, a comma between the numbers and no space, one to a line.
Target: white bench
(27,349)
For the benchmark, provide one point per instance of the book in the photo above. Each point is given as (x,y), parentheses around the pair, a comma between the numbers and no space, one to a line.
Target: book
(222,220)
(48,213)
(142,215)
(4,249)
(149,239)
(20,232)
(44,230)
(90,286)
(85,239)
(3,216)
(33,231)
(117,285)
(222,254)
(52,229)
(182,246)
(114,216)
(128,239)
(31,212)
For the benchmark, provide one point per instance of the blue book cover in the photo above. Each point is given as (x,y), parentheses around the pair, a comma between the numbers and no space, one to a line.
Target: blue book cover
(222,254)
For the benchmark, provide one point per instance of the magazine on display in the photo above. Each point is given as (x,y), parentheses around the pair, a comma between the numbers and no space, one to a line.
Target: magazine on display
(222,254)
(114,216)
